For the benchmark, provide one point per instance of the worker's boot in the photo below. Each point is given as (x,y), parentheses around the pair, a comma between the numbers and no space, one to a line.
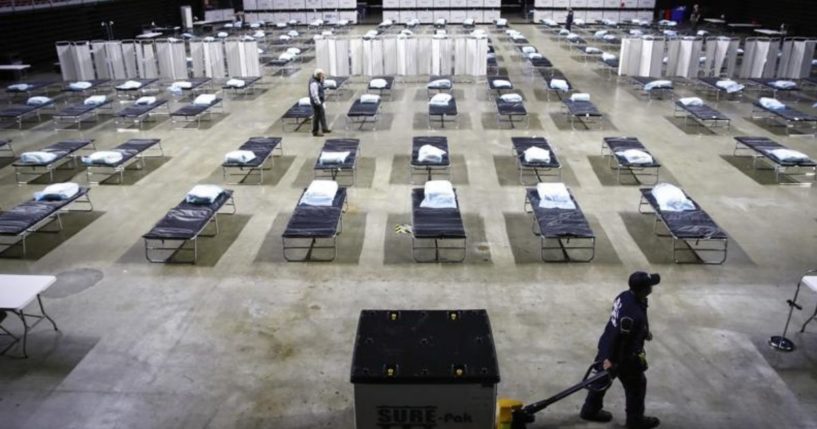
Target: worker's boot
(645,422)
(601,416)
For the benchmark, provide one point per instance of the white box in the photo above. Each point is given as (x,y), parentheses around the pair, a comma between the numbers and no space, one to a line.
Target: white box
(407,15)
(313,4)
(425,16)
(458,16)
(391,4)
(442,14)
(630,4)
(476,3)
(578,3)
(612,15)
(646,4)
(539,15)
(490,15)
(348,4)
(349,15)
(442,3)
(493,4)
(595,3)
(612,3)
(330,4)
(459,4)
(543,3)
(425,4)
(408,4)
(393,15)
(297,4)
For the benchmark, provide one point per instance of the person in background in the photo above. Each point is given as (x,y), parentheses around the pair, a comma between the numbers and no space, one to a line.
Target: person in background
(695,17)
(621,351)
(317,99)
(569,19)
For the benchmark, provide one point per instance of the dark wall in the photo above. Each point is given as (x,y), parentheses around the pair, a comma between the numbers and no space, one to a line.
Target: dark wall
(31,35)
(798,15)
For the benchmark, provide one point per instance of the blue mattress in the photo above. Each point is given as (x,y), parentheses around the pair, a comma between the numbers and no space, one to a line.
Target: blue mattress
(339,145)
(448,110)
(434,223)
(61,149)
(703,112)
(618,144)
(299,112)
(559,223)
(184,221)
(510,109)
(79,109)
(262,147)
(789,114)
(690,224)
(194,109)
(359,109)
(581,108)
(17,110)
(521,144)
(137,110)
(316,221)
(765,147)
(28,214)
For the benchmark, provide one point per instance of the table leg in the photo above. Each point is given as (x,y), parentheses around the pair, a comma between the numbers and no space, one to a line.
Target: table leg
(42,310)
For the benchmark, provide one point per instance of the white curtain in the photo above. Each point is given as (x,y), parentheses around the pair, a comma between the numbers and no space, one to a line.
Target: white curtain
(389,56)
(252,62)
(401,57)
(446,53)
(116,60)
(377,57)
(411,57)
(629,62)
(322,55)
(424,47)
(436,56)
(368,66)
(795,63)
(101,62)
(461,57)
(342,57)
(65,54)
(146,60)
(172,60)
(129,59)
(84,65)
(356,55)
(332,50)
(198,54)
(216,57)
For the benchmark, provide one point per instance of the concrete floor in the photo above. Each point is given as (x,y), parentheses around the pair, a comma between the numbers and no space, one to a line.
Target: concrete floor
(247,340)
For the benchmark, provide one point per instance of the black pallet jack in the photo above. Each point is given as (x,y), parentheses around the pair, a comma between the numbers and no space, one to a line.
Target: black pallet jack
(512,415)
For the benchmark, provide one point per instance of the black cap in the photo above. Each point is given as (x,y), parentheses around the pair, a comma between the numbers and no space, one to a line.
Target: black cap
(640,279)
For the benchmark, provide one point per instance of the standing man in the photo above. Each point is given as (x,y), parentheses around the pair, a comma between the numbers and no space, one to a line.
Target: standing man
(621,348)
(317,98)
(695,17)
(569,20)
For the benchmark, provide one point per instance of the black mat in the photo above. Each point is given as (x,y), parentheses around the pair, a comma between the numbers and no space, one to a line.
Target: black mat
(271,176)
(508,173)
(349,242)
(365,174)
(762,177)
(562,122)
(526,246)
(400,171)
(607,175)
(489,122)
(134,175)
(40,244)
(397,248)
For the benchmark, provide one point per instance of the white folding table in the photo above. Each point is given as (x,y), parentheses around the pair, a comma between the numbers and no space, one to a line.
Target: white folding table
(16,293)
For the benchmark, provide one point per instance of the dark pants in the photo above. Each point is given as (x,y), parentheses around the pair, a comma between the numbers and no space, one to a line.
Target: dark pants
(635,390)
(318,118)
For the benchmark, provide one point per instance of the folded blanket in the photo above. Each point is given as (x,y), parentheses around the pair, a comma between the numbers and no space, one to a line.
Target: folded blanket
(610,22)
(599,34)
(592,50)
(609,37)
(559,84)
(406,33)
(292,22)
(691,101)
(369,98)
(528,49)
(145,101)
(320,193)
(95,100)
(387,22)
(306,101)
(236,83)
(468,21)
(578,21)
(440,21)
(37,157)
(326,33)
(501,21)
(280,25)
(294,51)
(239,156)
(258,34)
(19,87)
(330,83)
(771,103)
(205,99)
(572,36)
(517,36)
(343,22)
(580,96)
(429,153)
(667,23)
(511,98)
(608,57)
(636,32)
(370,34)
(286,56)
(293,33)
(535,55)
(439,194)
(378,83)
(502,83)
(188,35)
(203,194)
(635,156)
(228,25)
(255,25)
(104,157)
(247,38)
(549,22)
(38,101)
(702,33)
(222,34)
(284,37)
(333,157)
(57,192)
(209,39)
(658,84)
(729,85)
(554,196)
(81,85)
(440,100)
(788,154)
(183,84)
(670,198)
(564,32)
(783,84)
(670,33)
(440,83)
(537,154)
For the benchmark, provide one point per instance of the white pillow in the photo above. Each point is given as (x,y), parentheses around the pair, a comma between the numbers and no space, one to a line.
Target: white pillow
(284,37)
(292,33)
(19,87)
(330,83)
(440,83)
(37,157)
(559,84)
(440,100)
(771,103)
(501,21)
(203,194)
(691,101)
(671,198)
(130,84)
(182,84)
(286,56)
(502,83)
(236,83)
(305,101)
(378,83)
(429,153)
(592,50)
(554,196)
(108,157)
(636,156)
(80,85)
(783,84)
(239,156)
(788,154)
(537,154)
(607,57)
(333,157)
(439,194)
(580,96)
(142,101)
(222,34)
(511,98)
(320,193)
(369,98)
(38,100)
(95,100)
(468,21)
(294,51)
(205,99)
(57,191)
(535,55)
(528,49)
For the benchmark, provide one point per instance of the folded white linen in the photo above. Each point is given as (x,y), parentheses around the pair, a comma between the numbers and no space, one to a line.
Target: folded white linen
(183,84)
(559,84)
(609,37)
(292,33)
(670,198)
(406,33)
(326,33)
(440,21)
(528,49)
(554,196)
(203,194)
(702,33)
(535,55)
(294,51)
(592,50)
(580,96)
(788,154)
(440,83)
(439,194)
(280,25)
(511,98)
(258,34)
(286,56)
(284,37)
(578,21)
(305,101)
(608,21)
(81,85)
(320,193)
(108,157)
(501,21)
(564,32)
(468,21)
(771,103)
(333,157)
(386,23)
(783,84)
(205,99)
(549,22)
(440,100)
(330,83)
(635,32)
(608,57)
(37,157)
(144,101)
(38,100)
(292,22)
(537,154)
(658,84)
(599,34)
(19,87)
(95,100)
(729,85)
(57,192)
(222,34)
(369,98)
(255,25)
(691,101)
(247,38)
(572,36)
(239,156)
(209,39)
(429,153)
(670,33)
(502,83)
(378,83)
(635,156)
(236,83)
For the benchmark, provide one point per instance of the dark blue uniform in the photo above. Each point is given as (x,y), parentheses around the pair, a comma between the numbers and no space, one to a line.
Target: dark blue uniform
(623,344)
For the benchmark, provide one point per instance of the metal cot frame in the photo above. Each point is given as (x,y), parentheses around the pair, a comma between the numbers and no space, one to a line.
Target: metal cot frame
(22,171)
(228,171)
(779,169)
(290,244)
(109,171)
(634,170)
(687,115)
(563,244)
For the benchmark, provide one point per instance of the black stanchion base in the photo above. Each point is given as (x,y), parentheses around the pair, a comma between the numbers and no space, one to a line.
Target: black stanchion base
(782,344)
